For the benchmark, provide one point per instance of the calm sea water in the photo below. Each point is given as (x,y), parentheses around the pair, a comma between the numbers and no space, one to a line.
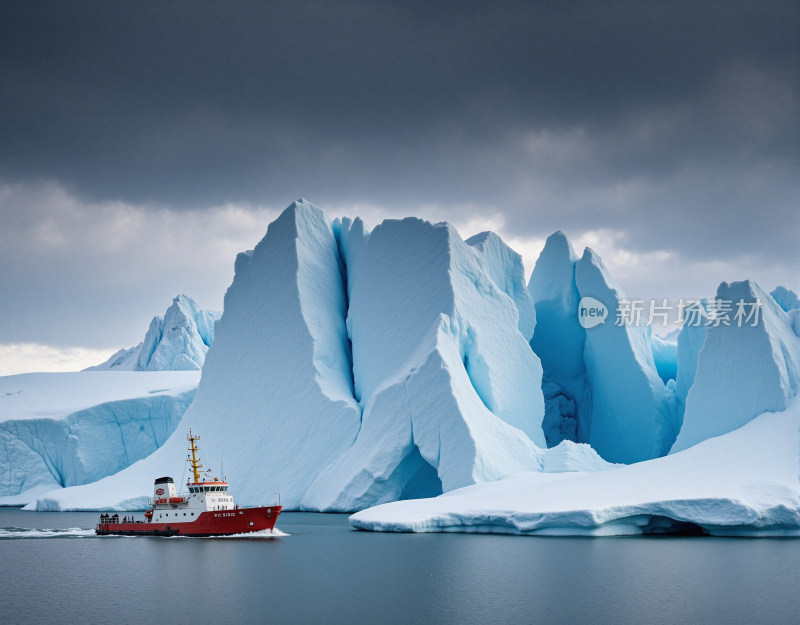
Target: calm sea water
(54,570)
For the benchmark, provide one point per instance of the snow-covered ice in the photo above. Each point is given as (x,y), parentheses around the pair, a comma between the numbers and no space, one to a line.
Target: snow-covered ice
(742,483)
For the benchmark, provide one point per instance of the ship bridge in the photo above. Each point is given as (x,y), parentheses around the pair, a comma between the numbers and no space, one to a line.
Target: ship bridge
(207,487)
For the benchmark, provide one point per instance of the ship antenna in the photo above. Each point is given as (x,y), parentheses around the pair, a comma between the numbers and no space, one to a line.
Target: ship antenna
(193,460)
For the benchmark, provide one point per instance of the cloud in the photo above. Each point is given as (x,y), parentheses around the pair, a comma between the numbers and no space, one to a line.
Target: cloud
(28,357)
(94,274)
(145,144)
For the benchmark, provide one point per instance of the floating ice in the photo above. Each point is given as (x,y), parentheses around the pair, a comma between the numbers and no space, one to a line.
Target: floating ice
(741,484)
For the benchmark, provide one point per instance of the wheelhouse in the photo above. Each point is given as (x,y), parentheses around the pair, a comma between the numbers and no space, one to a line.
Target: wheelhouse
(207,487)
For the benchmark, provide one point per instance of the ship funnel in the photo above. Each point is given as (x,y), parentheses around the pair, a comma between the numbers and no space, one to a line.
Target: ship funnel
(164,488)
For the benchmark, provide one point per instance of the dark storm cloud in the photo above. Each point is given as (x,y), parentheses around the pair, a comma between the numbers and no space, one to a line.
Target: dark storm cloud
(196,103)
(673,125)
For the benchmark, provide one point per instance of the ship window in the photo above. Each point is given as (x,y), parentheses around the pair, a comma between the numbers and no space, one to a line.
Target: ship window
(192,513)
(184,514)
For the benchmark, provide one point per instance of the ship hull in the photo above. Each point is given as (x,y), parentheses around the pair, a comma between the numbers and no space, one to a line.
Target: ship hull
(210,523)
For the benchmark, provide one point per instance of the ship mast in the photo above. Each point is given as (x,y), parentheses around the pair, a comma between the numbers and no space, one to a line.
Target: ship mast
(194,462)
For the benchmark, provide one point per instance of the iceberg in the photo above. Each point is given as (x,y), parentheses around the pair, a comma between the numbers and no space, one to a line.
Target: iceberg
(744,483)
(414,376)
(360,367)
(504,266)
(63,429)
(449,386)
(276,391)
(634,415)
(178,341)
(790,303)
(749,364)
(600,380)
(690,341)
(559,341)
(785,298)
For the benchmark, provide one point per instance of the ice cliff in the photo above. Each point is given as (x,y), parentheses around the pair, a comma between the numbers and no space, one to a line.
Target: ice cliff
(747,365)
(178,341)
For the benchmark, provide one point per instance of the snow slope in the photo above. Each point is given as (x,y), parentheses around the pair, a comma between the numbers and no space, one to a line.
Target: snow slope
(62,429)
(178,341)
(742,483)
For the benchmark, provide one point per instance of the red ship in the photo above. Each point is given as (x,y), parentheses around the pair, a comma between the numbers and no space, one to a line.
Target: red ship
(207,509)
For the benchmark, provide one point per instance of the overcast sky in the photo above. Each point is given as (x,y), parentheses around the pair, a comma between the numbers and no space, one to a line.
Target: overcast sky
(143,144)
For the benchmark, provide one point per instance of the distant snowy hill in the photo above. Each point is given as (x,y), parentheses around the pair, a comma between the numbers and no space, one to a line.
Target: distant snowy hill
(66,429)
(355,367)
(178,341)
